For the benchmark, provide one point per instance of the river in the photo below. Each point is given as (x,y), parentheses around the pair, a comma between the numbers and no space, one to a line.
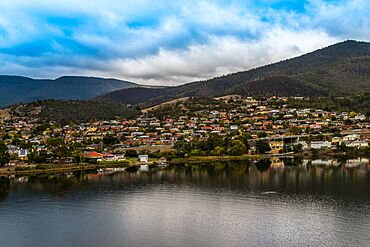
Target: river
(219,204)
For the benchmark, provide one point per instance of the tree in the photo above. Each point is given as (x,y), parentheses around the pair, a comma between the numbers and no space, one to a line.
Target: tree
(6,136)
(41,128)
(58,147)
(218,151)
(37,157)
(261,134)
(212,142)
(131,153)
(169,155)
(4,156)
(262,147)
(244,138)
(297,148)
(195,152)
(296,131)
(315,153)
(342,147)
(77,152)
(182,147)
(110,140)
(237,147)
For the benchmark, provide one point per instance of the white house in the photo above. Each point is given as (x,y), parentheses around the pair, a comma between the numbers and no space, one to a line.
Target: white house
(360,117)
(357,144)
(144,158)
(23,153)
(351,138)
(320,144)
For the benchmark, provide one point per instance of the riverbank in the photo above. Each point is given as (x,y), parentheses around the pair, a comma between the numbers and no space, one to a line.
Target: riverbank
(58,168)
(133,162)
(206,159)
(49,168)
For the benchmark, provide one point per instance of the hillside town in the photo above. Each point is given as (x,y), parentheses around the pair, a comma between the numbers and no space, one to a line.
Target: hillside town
(230,125)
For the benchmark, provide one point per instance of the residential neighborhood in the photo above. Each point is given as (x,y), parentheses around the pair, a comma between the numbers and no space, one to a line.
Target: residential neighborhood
(272,120)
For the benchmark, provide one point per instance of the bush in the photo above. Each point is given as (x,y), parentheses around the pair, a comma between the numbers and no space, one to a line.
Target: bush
(169,155)
(21,168)
(43,167)
(131,153)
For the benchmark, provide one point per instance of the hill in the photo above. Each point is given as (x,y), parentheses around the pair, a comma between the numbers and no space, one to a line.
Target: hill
(71,110)
(338,70)
(15,89)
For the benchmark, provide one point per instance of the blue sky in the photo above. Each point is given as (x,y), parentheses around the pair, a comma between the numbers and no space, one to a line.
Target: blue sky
(168,41)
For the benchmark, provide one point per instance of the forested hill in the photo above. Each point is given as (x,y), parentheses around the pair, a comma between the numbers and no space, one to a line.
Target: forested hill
(338,70)
(15,89)
(72,110)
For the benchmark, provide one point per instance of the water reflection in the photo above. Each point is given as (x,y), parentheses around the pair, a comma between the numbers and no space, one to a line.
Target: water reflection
(276,202)
(280,174)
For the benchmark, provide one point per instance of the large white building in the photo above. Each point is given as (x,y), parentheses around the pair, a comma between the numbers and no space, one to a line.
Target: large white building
(320,144)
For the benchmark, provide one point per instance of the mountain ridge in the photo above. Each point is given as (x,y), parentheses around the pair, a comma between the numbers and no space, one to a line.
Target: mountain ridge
(339,69)
(17,89)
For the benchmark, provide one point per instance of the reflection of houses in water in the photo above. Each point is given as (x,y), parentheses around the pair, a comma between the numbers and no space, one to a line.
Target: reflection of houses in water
(144,168)
(320,162)
(277,163)
(352,163)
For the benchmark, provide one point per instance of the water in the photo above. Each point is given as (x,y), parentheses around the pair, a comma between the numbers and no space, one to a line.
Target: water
(225,204)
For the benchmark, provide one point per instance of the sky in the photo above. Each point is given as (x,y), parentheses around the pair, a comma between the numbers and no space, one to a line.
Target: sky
(168,42)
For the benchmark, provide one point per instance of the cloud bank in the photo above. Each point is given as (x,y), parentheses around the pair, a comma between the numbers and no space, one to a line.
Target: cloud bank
(168,42)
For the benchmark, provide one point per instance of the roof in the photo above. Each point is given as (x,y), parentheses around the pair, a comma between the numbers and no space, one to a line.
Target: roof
(93,155)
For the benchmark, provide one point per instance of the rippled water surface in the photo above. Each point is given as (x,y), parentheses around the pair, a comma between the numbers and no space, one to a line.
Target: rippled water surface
(229,204)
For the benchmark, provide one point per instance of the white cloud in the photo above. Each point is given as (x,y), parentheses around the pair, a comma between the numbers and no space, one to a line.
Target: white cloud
(168,41)
(346,19)
(222,55)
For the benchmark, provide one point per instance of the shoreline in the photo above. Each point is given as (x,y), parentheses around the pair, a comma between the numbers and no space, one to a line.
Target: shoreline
(206,159)
(50,168)
(59,168)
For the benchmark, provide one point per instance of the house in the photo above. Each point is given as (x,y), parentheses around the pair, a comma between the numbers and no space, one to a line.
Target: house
(320,144)
(336,140)
(93,156)
(119,157)
(22,154)
(360,117)
(357,144)
(108,156)
(351,138)
(276,146)
(13,149)
(143,158)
